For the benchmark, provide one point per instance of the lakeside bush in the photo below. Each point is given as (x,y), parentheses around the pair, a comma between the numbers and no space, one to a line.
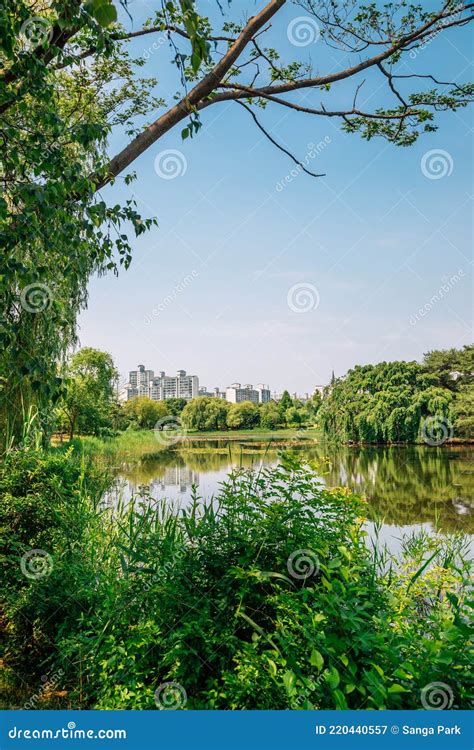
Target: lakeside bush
(267,597)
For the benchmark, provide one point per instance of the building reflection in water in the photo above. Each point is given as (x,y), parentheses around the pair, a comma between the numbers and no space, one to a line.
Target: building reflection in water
(180,477)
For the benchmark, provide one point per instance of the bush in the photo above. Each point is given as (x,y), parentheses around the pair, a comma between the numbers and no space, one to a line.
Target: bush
(267,597)
(46,516)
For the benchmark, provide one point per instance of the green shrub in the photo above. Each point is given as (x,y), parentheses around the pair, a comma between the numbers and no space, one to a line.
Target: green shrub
(265,597)
(46,517)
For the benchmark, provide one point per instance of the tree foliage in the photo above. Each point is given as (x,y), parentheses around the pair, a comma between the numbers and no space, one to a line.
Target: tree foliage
(144,413)
(205,413)
(88,398)
(454,367)
(383,403)
(67,81)
(243,416)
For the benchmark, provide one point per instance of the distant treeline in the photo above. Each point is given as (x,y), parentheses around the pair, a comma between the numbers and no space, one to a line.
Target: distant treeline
(403,401)
(388,402)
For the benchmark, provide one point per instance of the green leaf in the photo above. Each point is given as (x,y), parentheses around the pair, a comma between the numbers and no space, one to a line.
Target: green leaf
(273,667)
(104,12)
(289,682)
(396,688)
(316,659)
(332,677)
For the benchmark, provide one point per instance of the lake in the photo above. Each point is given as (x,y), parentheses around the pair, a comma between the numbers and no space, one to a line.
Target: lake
(406,487)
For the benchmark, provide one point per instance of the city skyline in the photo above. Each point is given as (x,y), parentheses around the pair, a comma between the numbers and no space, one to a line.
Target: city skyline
(162,386)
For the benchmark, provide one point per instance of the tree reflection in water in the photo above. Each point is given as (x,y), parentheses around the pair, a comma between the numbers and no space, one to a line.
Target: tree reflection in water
(403,485)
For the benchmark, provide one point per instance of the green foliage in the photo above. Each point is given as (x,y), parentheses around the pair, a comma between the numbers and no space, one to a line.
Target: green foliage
(454,367)
(463,411)
(87,402)
(243,416)
(43,507)
(145,413)
(176,405)
(284,403)
(270,416)
(267,597)
(57,115)
(208,413)
(383,403)
(389,402)
(294,416)
(205,413)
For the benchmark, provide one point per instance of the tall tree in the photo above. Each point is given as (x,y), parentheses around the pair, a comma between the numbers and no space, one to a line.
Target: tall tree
(284,404)
(454,367)
(59,101)
(387,402)
(145,413)
(243,416)
(205,413)
(88,398)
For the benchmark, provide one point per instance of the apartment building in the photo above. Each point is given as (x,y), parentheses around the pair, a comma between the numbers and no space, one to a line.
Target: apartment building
(215,393)
(160,387)
(236,393)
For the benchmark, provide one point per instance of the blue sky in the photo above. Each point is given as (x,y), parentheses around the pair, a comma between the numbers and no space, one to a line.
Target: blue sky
(212,288)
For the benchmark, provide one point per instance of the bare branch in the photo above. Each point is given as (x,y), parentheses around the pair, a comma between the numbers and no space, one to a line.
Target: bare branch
(272,140)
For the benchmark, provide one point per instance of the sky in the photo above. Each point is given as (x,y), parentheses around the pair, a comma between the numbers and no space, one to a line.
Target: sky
(258,272)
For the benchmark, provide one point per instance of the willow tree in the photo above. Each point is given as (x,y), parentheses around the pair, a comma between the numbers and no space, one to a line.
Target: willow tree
(67,80)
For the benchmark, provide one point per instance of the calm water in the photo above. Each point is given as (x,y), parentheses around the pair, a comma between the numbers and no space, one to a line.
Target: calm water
(406,488)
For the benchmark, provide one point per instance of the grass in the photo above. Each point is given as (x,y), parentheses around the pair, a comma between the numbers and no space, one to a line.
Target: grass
(266,597)
(302,433)
(133,446)
(127,447)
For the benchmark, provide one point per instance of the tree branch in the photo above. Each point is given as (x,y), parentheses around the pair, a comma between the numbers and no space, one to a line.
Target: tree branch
(186,105)
(272,140)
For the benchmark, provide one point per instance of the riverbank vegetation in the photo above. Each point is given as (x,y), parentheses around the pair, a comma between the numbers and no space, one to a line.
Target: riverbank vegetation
(88,405)
(390,402)
(268,597)
(393,402)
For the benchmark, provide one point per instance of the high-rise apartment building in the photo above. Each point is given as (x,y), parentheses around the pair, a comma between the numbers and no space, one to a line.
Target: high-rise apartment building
(236,393)
(143,382)
(215,393)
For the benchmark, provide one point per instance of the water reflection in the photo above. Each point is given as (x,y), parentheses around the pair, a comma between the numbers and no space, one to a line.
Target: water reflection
(404,486)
